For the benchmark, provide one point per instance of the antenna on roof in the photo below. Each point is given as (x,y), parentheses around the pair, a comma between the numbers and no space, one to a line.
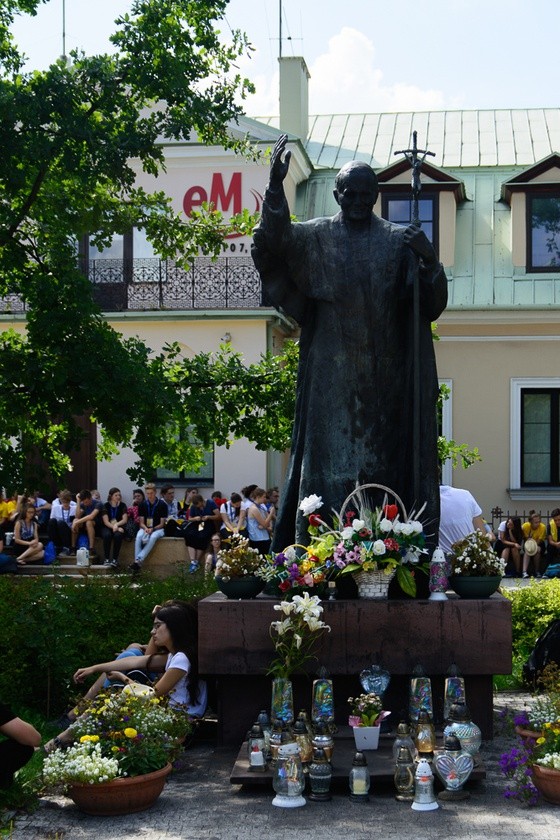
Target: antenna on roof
(64,29)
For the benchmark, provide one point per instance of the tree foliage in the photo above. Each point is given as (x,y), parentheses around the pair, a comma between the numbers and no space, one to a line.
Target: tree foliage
(73,137)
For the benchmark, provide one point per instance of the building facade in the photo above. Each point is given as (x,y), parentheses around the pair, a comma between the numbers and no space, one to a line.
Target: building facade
(490,202)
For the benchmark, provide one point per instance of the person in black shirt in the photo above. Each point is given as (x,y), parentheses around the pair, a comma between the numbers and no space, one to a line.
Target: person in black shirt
(17,749)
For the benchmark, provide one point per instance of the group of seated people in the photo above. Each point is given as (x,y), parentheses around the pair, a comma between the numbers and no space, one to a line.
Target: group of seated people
(28,523)
(530,546)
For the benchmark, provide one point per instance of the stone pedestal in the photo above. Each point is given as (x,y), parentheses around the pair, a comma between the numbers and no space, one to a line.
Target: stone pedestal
(235,647)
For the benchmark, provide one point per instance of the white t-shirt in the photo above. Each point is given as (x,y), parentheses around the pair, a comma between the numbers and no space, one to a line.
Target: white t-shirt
(179,694)
(457,511)
(58,512)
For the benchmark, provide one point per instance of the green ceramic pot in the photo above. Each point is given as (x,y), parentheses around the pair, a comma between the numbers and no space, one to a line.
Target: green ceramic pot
(474,587)
(245,587)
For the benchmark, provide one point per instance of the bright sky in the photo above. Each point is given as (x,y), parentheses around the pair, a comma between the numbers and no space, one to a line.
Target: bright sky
(364,55)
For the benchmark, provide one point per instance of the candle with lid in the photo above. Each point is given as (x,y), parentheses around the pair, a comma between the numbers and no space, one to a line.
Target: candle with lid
(359,779)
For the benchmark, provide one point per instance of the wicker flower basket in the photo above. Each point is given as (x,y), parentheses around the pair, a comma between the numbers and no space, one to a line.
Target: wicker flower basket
(373,585)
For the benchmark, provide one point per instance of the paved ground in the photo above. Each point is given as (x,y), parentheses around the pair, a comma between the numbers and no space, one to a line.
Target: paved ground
(199,803)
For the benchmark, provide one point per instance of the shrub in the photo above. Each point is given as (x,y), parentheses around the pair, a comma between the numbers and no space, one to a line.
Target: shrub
(51,628)
(532,609)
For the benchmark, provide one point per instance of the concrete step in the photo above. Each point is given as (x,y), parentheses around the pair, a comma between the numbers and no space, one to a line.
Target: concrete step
(66,569)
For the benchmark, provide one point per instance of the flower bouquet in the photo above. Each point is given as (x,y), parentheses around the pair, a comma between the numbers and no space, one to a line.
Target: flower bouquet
(118,734)
(367,540)
(295,636)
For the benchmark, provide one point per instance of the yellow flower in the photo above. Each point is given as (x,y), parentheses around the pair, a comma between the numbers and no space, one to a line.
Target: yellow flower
(94,738)
(114,749)
(540,740)
(85,738)
(130,732)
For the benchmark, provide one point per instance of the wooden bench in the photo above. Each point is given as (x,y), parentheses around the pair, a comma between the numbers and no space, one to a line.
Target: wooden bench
(235,646)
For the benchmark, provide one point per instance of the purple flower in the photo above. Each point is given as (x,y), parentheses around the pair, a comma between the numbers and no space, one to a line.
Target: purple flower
(522,719)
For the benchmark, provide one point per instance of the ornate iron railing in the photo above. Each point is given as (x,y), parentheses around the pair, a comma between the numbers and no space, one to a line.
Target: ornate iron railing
(149,284)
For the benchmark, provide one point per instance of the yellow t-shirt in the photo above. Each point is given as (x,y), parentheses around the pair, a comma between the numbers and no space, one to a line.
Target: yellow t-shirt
(6,508)
(538,534)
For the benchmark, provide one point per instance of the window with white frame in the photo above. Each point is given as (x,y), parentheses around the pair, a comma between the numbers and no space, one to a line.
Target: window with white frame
(535,433)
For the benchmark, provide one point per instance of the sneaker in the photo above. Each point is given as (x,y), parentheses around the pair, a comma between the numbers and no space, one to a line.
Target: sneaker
(92,553)
(114,564)
(64,552)
(538,576)
(135,568)
(72,552)
(107,562)
(194,567)
(524,575)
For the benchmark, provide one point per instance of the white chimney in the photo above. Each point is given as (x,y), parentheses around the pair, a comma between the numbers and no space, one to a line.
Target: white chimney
(294,100)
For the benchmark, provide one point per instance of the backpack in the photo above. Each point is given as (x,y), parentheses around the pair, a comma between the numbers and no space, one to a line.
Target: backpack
(50,553)
(547,649)
(552,571)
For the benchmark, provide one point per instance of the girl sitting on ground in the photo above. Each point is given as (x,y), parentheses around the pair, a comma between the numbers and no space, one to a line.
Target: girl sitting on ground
(175,629)
(26,537)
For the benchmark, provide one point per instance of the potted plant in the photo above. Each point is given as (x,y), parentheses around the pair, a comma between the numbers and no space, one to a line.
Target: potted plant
(534,767)
(476,569)
(544,707)
(365,719)
(238,569)
(124,746)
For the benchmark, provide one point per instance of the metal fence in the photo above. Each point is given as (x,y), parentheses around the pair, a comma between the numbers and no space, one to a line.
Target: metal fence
(151,284)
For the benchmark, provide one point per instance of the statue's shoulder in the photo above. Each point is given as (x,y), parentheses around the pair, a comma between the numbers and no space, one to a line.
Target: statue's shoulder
(387,228)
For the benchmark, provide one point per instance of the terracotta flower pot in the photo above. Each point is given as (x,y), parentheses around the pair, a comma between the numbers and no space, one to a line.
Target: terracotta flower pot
(529,736)
(120,796)
(547,782)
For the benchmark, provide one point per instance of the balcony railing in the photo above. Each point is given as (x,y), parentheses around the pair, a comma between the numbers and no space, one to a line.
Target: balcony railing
(150,284)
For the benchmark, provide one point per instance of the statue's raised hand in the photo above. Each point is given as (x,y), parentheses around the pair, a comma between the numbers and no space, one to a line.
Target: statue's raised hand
(279,162)
(417,240)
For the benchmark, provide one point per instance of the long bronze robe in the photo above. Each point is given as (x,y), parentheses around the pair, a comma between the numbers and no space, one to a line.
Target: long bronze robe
(350,289)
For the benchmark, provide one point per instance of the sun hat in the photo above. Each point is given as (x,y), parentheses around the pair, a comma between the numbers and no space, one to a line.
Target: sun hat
(531,547)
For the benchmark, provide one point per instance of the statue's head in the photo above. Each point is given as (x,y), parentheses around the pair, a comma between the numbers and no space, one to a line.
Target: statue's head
(356,190)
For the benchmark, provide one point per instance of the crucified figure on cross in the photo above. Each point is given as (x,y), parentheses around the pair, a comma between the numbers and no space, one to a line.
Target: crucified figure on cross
(416,158)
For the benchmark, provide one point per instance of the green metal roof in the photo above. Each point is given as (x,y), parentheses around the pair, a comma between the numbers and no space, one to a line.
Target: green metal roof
(517,137)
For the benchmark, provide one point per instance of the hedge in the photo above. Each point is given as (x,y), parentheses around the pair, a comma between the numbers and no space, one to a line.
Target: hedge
(51,628)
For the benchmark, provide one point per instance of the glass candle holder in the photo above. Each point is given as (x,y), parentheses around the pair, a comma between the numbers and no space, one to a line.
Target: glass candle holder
(287,779)
(359,779)
(320,776)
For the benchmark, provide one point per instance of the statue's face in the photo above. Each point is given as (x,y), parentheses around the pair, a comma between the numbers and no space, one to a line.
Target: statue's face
(356,194)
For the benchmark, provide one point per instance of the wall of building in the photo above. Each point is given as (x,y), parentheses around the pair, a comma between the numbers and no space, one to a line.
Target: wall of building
(481,356)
